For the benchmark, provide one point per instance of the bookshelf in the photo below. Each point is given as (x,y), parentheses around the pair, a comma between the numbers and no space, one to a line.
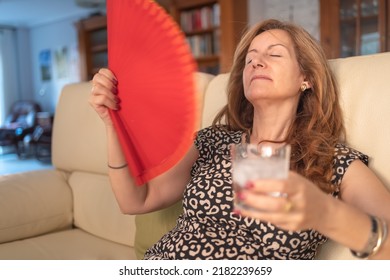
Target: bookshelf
(212,28)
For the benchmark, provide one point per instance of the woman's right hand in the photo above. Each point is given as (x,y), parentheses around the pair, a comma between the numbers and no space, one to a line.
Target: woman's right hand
(103,94)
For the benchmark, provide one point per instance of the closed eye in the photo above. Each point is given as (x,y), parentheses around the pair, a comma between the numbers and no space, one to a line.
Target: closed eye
(249,61)
(275,55)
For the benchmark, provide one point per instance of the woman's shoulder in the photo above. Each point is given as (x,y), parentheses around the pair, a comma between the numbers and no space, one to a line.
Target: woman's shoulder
(218,134)
(345,153)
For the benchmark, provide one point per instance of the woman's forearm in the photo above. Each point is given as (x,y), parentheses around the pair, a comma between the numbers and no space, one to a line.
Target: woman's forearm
(131,198)
(350,227)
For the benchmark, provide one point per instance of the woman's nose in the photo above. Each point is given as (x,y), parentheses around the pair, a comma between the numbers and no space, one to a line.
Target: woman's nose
(257,63)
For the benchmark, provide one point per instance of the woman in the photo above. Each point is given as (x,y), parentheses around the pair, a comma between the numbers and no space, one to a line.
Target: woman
(280,91)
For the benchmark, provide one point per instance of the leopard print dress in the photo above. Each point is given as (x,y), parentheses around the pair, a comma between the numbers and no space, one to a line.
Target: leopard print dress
(208,229)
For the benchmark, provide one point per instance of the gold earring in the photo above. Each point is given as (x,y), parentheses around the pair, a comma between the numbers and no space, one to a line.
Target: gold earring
(303,87)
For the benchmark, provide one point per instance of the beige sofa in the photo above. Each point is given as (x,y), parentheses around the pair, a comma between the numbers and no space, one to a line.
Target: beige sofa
(70,212)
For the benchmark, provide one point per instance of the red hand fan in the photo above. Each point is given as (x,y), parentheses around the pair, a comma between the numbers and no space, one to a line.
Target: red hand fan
(153,64)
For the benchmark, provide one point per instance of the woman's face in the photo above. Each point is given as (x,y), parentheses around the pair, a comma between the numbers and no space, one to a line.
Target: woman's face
(271,69)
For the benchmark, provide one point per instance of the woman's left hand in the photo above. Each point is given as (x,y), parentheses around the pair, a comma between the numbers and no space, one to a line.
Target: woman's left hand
(292,204)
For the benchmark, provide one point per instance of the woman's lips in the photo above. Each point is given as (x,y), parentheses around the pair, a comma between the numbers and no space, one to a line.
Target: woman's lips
(260,77)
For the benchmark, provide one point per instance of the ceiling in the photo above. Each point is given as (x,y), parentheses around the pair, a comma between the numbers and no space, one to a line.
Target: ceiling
(30,13)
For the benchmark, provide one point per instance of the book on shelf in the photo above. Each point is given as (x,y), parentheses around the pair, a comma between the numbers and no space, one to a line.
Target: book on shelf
(199,19)
(202,45)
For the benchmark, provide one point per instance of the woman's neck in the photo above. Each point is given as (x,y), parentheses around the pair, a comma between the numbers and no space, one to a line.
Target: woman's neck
(271,124)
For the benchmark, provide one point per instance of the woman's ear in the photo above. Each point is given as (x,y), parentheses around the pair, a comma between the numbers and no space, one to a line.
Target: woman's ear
(305,85)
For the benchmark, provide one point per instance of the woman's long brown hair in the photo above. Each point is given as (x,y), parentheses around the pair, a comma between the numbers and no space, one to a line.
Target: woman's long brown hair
(318,125)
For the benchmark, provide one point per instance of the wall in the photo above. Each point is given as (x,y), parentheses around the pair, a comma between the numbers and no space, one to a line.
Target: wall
(303,12)
(9,82)
(23,47)
(59,41)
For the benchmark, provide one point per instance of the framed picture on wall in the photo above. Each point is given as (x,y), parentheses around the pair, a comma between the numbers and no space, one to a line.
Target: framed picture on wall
(45,64)
(61,60)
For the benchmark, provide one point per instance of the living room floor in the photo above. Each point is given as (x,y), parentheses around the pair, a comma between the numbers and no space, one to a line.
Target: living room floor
(10,163)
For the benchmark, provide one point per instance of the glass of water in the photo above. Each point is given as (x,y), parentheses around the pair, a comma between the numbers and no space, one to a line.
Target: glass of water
(251,162)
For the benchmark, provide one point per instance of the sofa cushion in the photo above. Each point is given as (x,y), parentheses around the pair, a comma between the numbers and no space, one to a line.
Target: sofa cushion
(79,140)
(152,226)
(364,83)
(96,210)
(72,244)
(202,81)
(34,203)
(215,98)
(331,250)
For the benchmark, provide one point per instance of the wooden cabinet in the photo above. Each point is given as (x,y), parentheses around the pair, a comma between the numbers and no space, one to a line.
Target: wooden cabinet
(354,27)
(213,28)
(92,37)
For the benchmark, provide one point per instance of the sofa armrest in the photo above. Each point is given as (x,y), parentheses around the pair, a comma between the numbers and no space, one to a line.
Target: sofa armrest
(33,203)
